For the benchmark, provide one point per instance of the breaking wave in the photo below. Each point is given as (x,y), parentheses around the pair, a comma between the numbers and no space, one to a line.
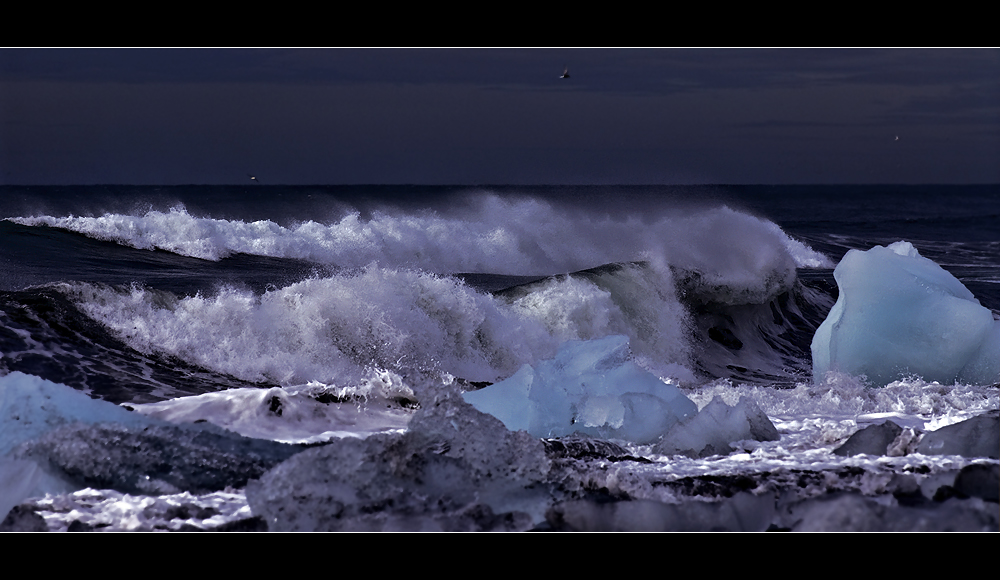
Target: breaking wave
(498,236)
(697,292)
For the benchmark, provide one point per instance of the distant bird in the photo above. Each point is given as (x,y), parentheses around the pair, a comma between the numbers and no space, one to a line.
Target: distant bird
(252,178)
(565,74)
(897,137)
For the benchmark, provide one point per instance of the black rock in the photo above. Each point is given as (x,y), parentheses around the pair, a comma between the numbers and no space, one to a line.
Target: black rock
(979,480)
(872,440)
(23,519)
(588,448)
(78,526)
(975,437)
(252,524)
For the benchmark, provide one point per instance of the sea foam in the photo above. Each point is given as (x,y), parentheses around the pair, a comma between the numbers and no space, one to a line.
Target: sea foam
(393,304)
(496,236)
(342,327)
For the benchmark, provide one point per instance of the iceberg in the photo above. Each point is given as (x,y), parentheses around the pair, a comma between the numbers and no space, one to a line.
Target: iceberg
(900,314)
(589,387)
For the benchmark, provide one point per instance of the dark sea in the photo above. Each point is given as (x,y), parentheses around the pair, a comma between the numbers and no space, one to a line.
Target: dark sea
(310,317)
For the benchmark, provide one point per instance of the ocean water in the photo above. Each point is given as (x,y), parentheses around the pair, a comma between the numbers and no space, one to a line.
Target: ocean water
(210,303)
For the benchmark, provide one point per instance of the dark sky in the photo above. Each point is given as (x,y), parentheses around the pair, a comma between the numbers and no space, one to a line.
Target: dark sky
(499,116)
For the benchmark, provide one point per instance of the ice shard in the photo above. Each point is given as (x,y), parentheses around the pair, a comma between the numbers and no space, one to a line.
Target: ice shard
(589,387)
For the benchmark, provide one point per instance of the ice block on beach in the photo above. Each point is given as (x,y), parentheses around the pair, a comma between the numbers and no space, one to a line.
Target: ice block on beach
(899,314)
(589,387)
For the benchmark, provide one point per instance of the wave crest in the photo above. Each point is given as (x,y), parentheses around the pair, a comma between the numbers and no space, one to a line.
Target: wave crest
(524,236)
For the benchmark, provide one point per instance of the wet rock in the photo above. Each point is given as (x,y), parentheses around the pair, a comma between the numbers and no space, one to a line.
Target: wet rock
(587,448)
(254,524)
(78,526)
(23,519)
(872,440)
(975,437)
(979,480)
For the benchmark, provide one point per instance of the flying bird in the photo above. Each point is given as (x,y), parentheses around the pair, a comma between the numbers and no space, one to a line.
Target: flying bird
(254,179)
(565,74)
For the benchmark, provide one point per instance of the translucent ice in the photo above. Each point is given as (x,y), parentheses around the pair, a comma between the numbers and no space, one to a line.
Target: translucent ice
(900,314)
(590,387)
(21,479)
(711,431)
(56,439)
(31,406)
(455,469)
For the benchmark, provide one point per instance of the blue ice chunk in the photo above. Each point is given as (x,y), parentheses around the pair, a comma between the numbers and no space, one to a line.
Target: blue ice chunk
(899,314)
(31,406)
(715,427)
(590,387)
